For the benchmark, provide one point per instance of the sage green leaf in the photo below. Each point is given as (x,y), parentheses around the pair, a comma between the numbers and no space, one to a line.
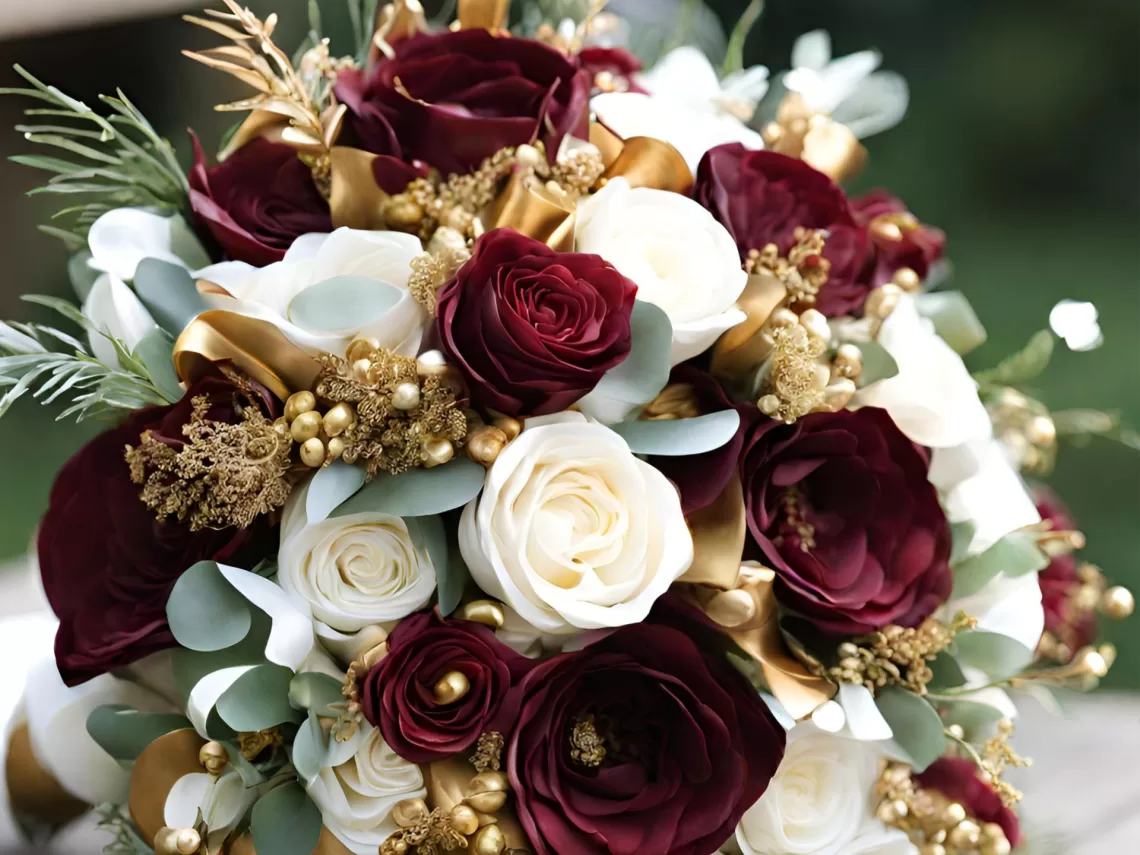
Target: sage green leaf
(190,666)
(156,352)
(316,692)
(258,699)
(974,717)
(418,492)
(204,610)
(169,293)
(286,822)
(997,655)
(342,303)
(310,749)
(877,363)
(330,488)
(1014,555)
(645,372)
(947,673)
(1021,367)
(961,536)
(954,319)
(124,732)
(429,535)
(917,729)
(82,274)
(680,437)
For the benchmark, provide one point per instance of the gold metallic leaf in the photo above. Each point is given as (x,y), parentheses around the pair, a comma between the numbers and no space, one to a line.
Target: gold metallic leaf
(355,199)
(255,347)
(528,206)
(259,123)
(740,350)
(606,141)
(32,790)
(156,771)
(302,140)
(398,20)
(718,539)
(834,150)
(333,122)
(447,782)
(483,14)
(649,162)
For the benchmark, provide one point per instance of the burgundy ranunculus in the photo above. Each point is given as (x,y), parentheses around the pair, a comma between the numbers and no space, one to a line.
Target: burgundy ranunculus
(533,330)
(840,506)
(762,197)
(958,781)
(454,98)
(257,201)
(108,565)
(398,696)
(917,245)
(639,743)
(1070,622)
(619,64)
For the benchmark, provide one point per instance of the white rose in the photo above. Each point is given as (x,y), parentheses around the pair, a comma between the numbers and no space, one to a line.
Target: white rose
(572,530)
(933,399)
(114,310)
(820,802)
(681,259)
(267,292)
(357,794)
(355,570)
(123,237)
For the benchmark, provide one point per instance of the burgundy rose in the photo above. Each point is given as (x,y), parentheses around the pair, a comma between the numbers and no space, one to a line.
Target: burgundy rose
(454,98)
(533,330)
(257,201)
(958,781)
(107,564)
(398,692)
(840,506)
(898,240)
(1069,621)
(762,197)
(617,67)
(639,743)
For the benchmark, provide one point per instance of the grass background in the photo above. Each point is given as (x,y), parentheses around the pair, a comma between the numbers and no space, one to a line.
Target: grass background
(1022,142)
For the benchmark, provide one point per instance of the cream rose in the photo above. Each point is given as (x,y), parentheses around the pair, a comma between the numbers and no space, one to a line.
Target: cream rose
(357,793)
(820,802)
(681,259)
(355,570)
(573,531)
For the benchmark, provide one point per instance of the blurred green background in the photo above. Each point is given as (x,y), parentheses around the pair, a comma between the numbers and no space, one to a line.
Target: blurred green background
(1022,142)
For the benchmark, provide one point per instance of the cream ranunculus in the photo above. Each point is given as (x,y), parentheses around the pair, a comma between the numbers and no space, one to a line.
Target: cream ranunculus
(267,292)
(572,530)
(820,802)
(681,259)
(357,792)
(353,571)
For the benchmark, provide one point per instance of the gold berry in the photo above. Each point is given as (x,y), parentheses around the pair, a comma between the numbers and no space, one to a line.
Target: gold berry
(487,612)
(335,448)
(485,444)
(313,453)
(731,608)
(438,451)
(464,820)
(907,279)
(489,841)
(214,757)
(406,396)
(338,419)
(1118,603)
(451,687)
(306,426)
(409,812)
(509,426)
(300,402)
(487,802)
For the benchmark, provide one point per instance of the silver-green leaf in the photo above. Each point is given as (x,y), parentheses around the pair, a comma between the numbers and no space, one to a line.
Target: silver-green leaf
(204,610)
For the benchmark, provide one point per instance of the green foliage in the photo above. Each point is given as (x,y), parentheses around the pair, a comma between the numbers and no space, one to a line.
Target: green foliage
(27,364)
(127,840)
(1014,555)
(917,728)
(112,161)
(286,822)
(361,15)
(1021,367)
(734,58)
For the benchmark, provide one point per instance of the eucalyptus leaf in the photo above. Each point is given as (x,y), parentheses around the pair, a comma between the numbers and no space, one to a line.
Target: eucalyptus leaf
(124,732)
(82,274)
(961,536)
(156,352)
(330,488)
(204,610)
(645,372)
(343,303)
(877,363)
(316,692)
(190,666)
(169,293)
(680,437)
(917,729)
(997,655)
(1014,555)
(285,821)
(258,699)
(429,534)
(418,492)
(975,718)
(310,749)
(947,673)
(954,319)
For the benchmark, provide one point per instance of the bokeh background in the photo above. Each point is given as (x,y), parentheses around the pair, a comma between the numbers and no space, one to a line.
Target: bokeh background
(1022,142)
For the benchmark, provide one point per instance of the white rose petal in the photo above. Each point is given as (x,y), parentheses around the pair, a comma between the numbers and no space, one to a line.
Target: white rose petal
(574,532)
(1007,606)
(685,74)
(820,802)
(113,308)
(356,797)
(355,570)
(121,238)
(681,259)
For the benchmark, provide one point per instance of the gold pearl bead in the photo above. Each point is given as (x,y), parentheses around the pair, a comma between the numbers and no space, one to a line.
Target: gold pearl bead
(487,612)
(399,847)
(820,376)
(1118,603)
(313,453)
(438,451)
(361,348)
(335,448)
(528,156)
(731,608)
(177,841)
(306,426)
(430,363)
(511,428)
(338,419)
(932,849)
(848,361)
(447,238)
(403,213)
(1092,662)
(838,394)
(1041,431)
(769,405)
(406,396)
(489,782)
(300,402)
(885,231)
(464,820)
(214,757)
(489,841)
(965,835)
(409,812)
(815,323)
(361,369)
(487,802)
(907,279)
(485,444)
(782,318)
(882,301)
(955,813)
(451,687)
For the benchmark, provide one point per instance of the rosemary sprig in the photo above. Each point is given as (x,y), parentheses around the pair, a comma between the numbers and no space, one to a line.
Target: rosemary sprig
(117,160)
(127,840)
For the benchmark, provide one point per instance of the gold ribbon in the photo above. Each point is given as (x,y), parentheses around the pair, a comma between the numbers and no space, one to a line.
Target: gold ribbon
(815,138)
(155,772)
(33,791)
(528,206)
(255,347)
(355,199)
(718,533)
(399,20)
(447,782)
(740,350)
(483,14)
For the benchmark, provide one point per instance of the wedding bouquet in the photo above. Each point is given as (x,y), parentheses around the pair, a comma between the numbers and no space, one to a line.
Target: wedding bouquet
(516,450)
